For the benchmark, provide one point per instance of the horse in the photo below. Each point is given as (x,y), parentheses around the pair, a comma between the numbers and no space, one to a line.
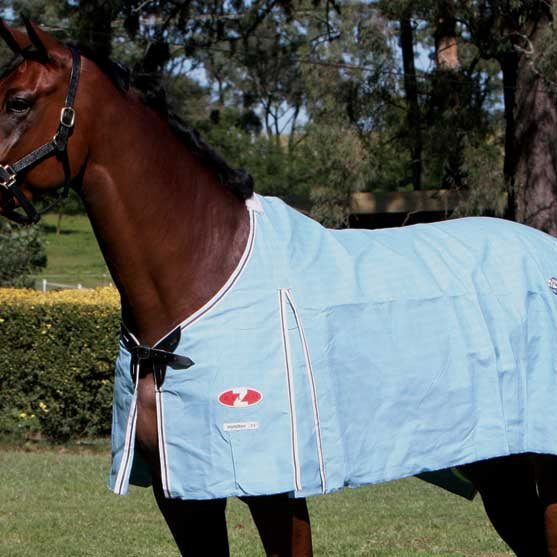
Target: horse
(176,226)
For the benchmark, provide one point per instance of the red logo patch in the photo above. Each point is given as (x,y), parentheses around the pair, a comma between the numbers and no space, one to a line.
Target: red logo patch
(240,397)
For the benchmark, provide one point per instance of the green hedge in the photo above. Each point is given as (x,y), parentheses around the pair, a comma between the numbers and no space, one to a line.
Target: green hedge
(57,353)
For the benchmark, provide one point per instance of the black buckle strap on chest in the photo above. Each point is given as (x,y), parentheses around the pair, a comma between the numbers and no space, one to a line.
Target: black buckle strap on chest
(157,357)
(10,174)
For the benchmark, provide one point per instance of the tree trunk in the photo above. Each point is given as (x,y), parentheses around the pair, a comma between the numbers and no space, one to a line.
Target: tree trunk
(446,94)
(535,140)
(509,67)
(411,89)
(446,47)
(59,222)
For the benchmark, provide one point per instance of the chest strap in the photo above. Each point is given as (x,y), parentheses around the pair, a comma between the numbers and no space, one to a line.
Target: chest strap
(155,358)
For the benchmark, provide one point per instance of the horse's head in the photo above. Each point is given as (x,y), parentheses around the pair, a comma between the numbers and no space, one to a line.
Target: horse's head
(37,117)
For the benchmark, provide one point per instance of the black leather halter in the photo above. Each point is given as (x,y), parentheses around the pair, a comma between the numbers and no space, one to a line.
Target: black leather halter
(10,174)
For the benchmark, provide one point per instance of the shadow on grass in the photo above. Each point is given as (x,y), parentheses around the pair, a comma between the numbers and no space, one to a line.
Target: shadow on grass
(51,229)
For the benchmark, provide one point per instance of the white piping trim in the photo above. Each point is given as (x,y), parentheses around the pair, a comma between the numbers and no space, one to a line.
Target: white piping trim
(254,203)
(120,486)
(133,337)
(163,455)
(313,390)
(218,297)
(291,394)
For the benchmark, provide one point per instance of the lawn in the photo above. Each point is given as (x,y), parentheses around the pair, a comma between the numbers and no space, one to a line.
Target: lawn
(73,256)
(53,503)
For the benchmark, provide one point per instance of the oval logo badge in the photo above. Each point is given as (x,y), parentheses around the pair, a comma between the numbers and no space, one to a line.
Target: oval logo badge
(240,397)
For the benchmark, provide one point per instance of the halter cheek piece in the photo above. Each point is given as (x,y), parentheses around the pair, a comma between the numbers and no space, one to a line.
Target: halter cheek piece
(10,174)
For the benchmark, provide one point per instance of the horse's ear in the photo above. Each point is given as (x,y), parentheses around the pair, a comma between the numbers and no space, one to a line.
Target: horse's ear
(41,40)
(41,51)
(15,39)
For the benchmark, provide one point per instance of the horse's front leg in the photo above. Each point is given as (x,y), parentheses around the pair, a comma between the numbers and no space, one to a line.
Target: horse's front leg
(198,527)
(283,525)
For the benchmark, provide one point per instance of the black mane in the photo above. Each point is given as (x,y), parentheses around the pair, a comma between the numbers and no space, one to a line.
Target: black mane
(238,181)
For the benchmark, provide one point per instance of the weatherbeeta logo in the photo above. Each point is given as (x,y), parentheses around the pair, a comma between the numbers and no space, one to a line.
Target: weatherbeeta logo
(552,283)
(240,397)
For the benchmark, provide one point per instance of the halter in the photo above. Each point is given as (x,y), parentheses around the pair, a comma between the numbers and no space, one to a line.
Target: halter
(10,174)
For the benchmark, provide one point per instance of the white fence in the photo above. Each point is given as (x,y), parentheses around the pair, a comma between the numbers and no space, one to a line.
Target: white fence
(47,285)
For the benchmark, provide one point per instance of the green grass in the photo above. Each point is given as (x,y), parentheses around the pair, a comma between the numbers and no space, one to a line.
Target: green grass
(54,503)
(73,256)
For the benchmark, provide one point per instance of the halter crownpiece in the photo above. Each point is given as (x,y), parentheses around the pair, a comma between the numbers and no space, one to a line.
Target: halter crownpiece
(11,173)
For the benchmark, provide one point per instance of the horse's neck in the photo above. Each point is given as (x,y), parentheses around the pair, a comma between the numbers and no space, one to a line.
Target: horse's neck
(170,234)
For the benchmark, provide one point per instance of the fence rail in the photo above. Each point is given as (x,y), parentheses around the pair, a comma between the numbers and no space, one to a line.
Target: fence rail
(48,285)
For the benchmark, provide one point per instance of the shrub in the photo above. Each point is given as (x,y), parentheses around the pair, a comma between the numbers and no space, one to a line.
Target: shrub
(57,353)
(21,253)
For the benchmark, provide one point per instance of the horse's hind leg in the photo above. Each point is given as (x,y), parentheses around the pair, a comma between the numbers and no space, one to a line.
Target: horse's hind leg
(283,525)
(507,486)
(546,476)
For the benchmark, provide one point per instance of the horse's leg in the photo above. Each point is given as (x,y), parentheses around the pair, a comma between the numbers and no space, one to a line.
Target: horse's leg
(507,486)
(198,527)
(283,525)
(546,476)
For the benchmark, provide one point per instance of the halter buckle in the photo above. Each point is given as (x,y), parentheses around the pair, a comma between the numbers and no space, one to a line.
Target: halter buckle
(67,117)
(8,176)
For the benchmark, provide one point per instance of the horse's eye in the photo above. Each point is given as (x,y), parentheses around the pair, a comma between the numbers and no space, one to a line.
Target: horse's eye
(17,105)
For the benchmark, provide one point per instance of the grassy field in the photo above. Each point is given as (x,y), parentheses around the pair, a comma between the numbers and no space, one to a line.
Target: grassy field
(53,503)
(73,256)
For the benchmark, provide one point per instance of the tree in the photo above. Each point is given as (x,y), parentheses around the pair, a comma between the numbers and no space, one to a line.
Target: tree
(411,89)
(516,35)
(462,114)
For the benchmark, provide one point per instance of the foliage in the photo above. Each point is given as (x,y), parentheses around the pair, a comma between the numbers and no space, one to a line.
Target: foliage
(57,352)
(338,159)
(276,169)
(21,254)
(483,176)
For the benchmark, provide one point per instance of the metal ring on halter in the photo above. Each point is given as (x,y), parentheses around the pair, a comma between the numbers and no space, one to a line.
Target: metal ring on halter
(9,181)
(67,116)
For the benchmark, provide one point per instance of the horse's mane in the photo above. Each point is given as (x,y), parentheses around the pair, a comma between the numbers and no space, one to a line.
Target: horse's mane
(238,181)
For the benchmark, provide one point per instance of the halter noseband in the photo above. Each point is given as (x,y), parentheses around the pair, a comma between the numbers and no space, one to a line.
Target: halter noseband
(11,173)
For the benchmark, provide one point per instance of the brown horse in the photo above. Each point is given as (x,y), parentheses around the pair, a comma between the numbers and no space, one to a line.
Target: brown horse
(171,221)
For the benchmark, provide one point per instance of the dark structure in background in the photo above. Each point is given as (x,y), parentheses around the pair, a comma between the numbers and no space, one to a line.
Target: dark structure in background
(388,209)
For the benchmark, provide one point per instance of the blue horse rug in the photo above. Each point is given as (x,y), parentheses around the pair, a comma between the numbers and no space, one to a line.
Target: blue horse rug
(341,358)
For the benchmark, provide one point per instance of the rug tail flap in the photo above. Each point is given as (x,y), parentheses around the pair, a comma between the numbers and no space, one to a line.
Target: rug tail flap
(451,480)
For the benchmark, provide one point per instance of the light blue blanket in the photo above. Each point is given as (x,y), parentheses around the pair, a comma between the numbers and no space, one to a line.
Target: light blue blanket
(342,358)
